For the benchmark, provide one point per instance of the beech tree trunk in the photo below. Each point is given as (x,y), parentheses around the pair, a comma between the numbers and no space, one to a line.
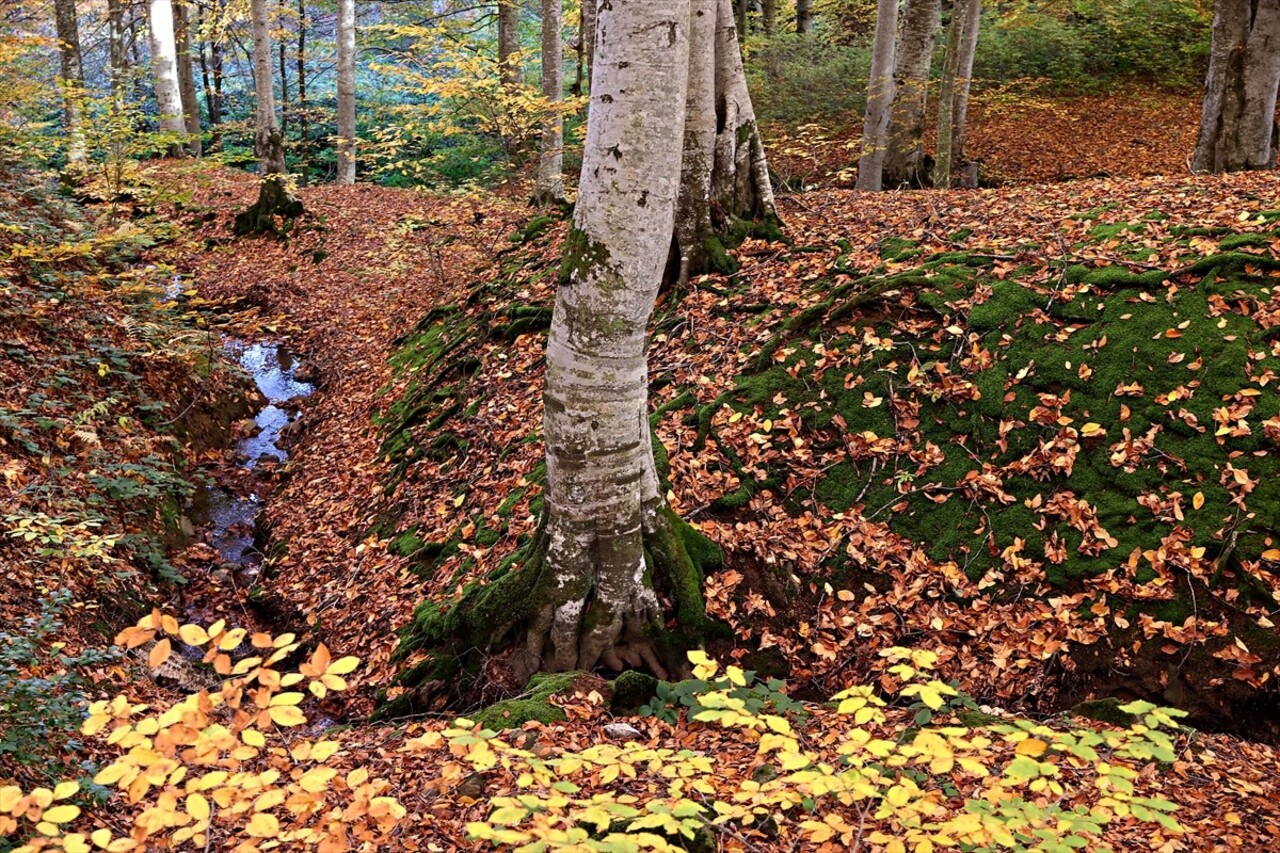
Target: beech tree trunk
(1237,119)
(769,16)
(589,38)
(550,188)
(304,120)
(804,17)
(508,42)
(596,602)
(164,65)
(72,77)
(964,81)
(116,55)
(268,142)
(186,76)
(724,174)
(346,91)
(904,162)
(945,163)
(875,125)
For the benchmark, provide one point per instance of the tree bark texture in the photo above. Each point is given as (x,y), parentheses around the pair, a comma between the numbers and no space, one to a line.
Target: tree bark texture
(904,162)
(116,55)
(304,119)
(550,187)
(72,77)
(964,80)
(724,174)
(1237,119)
(164,65)
(804,17)
(186,75)
(875,125)
(769,16)
(508,42)
(346,91)
(597,603)
(947,95)
(589,37)
(268,142)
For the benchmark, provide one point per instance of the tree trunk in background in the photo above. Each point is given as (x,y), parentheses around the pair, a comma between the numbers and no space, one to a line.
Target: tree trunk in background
(964,81)
(186,76)
(904,163)
(283,58)
(769,16)
(346,91)
(693,227)
(875,125)
(72,77)
(268,142)
(804,17)
(740,15)
(589,38)
(300,64)
(508,42)
(1237,119)
(947,95)
(164,65)
(115,48)
(724,175)
(594,594)
(550,188)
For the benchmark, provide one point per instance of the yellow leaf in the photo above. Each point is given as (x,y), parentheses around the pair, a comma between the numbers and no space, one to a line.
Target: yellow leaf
(343,666)
(75,843)
(65,789)
(286,715)
(1198,500)
(101,838)
(1032,746)
(193,635)
(317,779)
(287,699)
(198,807)
(253,737)
(9,796)
(231,639)
(324,750)
(61,814)
(1272,554)
(159,653)
(263,825)
(111,774)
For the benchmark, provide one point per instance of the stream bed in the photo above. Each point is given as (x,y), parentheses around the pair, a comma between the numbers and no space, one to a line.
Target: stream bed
(229,509)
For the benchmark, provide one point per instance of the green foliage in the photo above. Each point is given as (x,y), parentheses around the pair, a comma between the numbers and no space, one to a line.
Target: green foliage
(756,696)
(43,692)
(786,71)
(856,774)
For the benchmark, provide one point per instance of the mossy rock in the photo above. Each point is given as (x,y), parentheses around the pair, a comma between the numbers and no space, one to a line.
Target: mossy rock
(1106,710)
(535,704)
(632,689)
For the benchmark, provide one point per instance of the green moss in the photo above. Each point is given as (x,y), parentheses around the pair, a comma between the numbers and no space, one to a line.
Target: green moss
(632,689)
(1104,711)
(581,253)
(533,706)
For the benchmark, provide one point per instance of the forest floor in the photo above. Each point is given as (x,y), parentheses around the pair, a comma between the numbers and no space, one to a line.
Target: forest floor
(1028,428)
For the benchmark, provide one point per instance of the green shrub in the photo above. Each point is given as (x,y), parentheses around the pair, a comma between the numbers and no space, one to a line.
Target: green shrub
(787,72)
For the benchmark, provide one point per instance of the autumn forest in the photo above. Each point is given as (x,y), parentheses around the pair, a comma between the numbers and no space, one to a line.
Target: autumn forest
(639,425)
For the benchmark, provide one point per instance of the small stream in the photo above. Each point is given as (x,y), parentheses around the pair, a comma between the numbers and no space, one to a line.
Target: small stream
(230,507)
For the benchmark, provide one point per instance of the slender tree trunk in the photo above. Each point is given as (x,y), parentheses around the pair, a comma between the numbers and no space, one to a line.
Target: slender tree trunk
(595,597)
(589,37)
(947,95)
(300,64)
(216,60)
(164,63)
(346,91)
(550,189)
(740,184)
(875,125)
(116,55)
(508,42)
(186,76)
(964,81)
(740,15)
(268,141)
(769,16)
(206,82)
(804,17)
(1237,119)
(72,77)
(694,229)
(904,163)
(283,57)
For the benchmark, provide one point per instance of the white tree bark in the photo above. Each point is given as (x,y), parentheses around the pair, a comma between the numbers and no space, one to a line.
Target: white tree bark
(693,214)
(267,141)
(740,180)
(550,188)
(944,163)
(164,66)
(1237,118)
(880,86)
(346,91)
(602,490)
(904,163)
